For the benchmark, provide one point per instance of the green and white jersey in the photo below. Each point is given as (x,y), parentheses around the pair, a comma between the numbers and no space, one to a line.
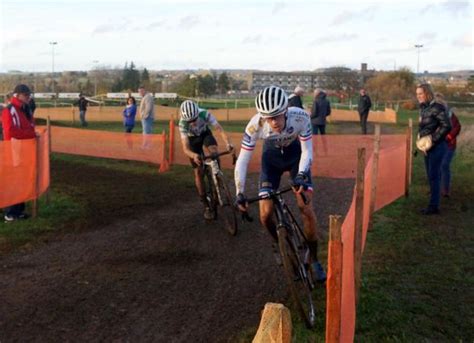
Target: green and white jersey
(202,124)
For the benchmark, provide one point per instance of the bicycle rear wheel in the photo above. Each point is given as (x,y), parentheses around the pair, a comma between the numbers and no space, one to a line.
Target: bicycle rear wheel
(227,209)
(297,277)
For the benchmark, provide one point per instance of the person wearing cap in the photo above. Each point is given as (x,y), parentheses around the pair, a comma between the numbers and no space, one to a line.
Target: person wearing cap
(82,103)
(294,100)
(17,123)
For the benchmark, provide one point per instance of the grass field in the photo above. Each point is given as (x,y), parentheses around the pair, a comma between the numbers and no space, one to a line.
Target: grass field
(417,271)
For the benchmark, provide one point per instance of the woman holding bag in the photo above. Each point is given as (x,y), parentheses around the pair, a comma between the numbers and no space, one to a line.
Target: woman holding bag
(433,127)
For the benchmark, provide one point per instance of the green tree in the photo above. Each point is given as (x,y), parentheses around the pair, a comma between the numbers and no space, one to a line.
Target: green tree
(186,86)
(223,83)
(206,85)
(145,78)
(392,86)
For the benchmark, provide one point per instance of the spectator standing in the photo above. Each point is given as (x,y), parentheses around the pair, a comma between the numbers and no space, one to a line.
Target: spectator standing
(32,105)
(433,126)
(451,140)
(295,99)
(363,108)
(82,103)
(129,114)
(17,123)
(320,110)
(147,110)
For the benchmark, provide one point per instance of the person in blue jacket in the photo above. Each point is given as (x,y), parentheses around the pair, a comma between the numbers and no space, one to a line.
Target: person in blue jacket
(129,114)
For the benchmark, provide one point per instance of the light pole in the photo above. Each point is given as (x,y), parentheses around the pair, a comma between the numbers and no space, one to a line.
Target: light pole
(95,77)
(52,67)
(418,47)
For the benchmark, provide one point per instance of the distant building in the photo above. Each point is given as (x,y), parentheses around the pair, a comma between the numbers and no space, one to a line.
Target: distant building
(308,80)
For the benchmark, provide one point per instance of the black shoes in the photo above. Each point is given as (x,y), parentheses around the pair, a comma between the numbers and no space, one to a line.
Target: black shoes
(429,211)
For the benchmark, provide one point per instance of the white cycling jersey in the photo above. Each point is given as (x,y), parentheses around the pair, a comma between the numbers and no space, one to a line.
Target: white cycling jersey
(297,125)
(205,118)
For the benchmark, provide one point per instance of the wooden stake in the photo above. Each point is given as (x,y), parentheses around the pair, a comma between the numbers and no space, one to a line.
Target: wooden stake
(375,168)
(334,282)
(408,157)
(359,217)
(171,143)
(34,210)
(48,126)
(410,126)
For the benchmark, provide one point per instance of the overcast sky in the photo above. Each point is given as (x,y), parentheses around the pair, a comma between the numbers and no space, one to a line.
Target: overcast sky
(247,34)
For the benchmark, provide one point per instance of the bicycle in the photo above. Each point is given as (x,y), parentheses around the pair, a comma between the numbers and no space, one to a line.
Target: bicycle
(295,253)
(217,191)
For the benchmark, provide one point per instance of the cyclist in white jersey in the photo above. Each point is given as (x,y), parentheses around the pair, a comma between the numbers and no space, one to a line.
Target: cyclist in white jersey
(197,139)
(287,135)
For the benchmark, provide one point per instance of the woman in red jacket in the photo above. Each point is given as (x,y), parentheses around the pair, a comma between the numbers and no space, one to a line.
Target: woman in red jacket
(446,164)
(17,123)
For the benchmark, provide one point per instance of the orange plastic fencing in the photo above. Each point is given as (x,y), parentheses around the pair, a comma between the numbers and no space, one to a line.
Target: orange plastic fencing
(390,186)
(114,114)
(387,116)
(126,146)
(24,169)
(333,155)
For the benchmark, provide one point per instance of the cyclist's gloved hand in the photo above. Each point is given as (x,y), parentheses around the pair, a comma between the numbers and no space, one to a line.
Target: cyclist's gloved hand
(241,202)
(230,147)
(300,182)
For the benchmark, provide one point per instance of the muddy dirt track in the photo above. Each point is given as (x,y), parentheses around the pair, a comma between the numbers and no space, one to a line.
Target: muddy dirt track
(161,274)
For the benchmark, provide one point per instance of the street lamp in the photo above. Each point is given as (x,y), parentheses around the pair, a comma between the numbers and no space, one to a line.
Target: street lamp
(95,77)
(52,68)
(418,47)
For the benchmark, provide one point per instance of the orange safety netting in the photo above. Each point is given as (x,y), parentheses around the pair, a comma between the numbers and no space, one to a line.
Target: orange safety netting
(114,113)
(333,155)
(126,146)
(24,169)
(390,185)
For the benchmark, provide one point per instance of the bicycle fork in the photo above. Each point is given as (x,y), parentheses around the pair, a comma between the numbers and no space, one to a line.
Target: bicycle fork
(215,170)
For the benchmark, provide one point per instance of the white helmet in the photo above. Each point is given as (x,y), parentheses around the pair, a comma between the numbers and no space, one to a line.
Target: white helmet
(189,110)
(271,101)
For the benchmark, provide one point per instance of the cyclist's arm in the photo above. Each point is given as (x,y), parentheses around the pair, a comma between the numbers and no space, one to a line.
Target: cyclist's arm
(187,148)
(215,124)
(246,150)
(306,142)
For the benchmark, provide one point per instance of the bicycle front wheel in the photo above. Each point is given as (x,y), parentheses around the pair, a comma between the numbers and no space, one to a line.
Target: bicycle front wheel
(227,209)
(211,195)
(298,279)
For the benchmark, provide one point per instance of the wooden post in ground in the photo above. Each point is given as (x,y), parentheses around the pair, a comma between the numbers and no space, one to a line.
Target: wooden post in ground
(359,217)
(409,134)
(48,126)
(334,282)
(171,143)
(410,126)
(34,209)
(375,169)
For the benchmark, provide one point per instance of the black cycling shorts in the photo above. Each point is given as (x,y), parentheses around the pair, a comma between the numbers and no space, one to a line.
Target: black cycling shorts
(196,143)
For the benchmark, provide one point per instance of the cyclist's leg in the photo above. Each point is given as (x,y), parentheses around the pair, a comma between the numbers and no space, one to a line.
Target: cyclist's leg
(196,146)
(308,215)
(209,144)
(269,180)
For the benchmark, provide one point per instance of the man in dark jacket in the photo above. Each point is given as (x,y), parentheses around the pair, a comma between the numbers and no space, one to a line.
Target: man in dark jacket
(363,108)
(294,100)
(320,110)
(82,103)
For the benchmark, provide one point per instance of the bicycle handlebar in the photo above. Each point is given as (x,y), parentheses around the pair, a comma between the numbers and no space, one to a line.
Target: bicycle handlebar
(215,156)
(247,217)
